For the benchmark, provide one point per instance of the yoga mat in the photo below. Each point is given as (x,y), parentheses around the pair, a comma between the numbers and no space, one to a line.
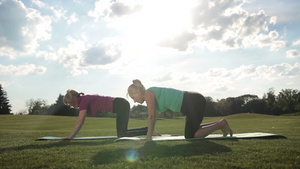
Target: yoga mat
(209,137)
(77,138)
(85,138)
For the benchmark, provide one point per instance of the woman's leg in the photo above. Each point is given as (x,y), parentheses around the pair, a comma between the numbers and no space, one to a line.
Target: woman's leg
(122,108)
(193,106)
(206,129)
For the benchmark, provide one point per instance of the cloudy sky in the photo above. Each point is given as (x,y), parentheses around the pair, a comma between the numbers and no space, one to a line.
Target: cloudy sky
(220,48)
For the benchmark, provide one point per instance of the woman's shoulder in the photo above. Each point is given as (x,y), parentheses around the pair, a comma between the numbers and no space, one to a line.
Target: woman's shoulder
(94,98)
(162,89)
(155,88)
(90,96)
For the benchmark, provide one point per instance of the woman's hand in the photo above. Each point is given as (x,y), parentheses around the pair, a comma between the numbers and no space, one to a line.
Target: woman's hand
(146,139)
(78,124)
(151,104)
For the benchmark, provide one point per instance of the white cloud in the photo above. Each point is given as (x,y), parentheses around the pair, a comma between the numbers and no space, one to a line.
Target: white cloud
(102,54)
(72,54)
(216,25)
(38,3)
(255,23)
(21,69)
(80,56)
(121,8)
(258,72)
(59,13)
(114,9)
(297,43)
(21,29)
(47,55)
(100,7)
(271,40)
(222,78)
(292,53)
(276,71)
(180,42)
(223,25)
(72,19)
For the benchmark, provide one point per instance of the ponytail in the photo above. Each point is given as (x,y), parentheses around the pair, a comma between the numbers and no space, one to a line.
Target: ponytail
(70,95)
(136,85)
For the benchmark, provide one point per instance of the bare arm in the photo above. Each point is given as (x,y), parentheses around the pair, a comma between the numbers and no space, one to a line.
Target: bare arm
(78,124)
(151,104)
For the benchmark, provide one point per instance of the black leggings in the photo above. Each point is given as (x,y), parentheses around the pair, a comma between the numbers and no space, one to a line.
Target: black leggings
(122,108)
(193,106)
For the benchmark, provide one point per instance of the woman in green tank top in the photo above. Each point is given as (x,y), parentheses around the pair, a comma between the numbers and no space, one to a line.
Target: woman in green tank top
(191,104)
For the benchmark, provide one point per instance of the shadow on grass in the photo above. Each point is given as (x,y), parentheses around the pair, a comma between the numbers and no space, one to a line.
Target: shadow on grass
(152,149)
(55,144)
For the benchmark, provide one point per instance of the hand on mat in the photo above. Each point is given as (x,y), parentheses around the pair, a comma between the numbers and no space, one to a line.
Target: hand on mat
(145,138)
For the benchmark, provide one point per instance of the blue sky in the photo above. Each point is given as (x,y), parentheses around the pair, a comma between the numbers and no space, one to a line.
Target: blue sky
(218,48)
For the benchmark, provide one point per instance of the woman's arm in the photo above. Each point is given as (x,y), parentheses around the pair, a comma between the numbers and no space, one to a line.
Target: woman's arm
(151,104)
(78,124)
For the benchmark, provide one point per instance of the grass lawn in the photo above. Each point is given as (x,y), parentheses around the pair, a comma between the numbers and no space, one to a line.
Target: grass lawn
(18,148)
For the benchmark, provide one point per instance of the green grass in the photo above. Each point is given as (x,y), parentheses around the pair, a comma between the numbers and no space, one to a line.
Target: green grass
(18,148)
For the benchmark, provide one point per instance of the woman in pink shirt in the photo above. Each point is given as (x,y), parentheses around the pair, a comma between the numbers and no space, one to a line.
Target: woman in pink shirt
(93,104)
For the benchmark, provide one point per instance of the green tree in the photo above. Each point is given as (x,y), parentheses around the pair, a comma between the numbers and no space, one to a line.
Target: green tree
(256,106)
(37,107)
(252,104)
(235,105)
(139,111)
(5,107)
(169,114)
(223,107)
(270,99)
(211,107)
(288,100)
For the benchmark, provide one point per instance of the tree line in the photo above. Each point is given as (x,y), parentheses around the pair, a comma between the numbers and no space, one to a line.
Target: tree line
(287,101)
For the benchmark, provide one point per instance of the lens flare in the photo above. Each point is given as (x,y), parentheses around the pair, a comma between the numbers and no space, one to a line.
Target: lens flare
(131,155)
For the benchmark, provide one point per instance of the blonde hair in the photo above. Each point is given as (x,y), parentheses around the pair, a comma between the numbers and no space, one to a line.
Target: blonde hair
(136,85)
(69,96)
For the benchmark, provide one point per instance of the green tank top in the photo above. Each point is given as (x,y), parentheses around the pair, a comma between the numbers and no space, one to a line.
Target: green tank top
(167,98)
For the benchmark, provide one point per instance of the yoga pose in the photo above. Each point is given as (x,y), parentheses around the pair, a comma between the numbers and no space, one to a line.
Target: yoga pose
(92,104)
(191,104)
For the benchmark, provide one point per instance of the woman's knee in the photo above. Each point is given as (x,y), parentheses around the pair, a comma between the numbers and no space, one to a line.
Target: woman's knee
(121,105)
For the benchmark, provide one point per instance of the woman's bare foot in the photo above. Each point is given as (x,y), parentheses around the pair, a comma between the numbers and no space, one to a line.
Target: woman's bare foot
(205,129)
(225,128)
(155,133)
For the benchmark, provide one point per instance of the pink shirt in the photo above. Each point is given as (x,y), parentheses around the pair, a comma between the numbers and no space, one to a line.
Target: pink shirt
(96,103)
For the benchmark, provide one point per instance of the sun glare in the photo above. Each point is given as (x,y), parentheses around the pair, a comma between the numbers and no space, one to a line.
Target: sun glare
(131,155)
(157,21)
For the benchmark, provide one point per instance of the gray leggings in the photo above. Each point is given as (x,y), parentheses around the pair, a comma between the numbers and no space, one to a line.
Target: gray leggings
(122,108)
(193,106)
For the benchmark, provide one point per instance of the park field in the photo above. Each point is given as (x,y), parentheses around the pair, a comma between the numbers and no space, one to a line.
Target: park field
(18,148)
